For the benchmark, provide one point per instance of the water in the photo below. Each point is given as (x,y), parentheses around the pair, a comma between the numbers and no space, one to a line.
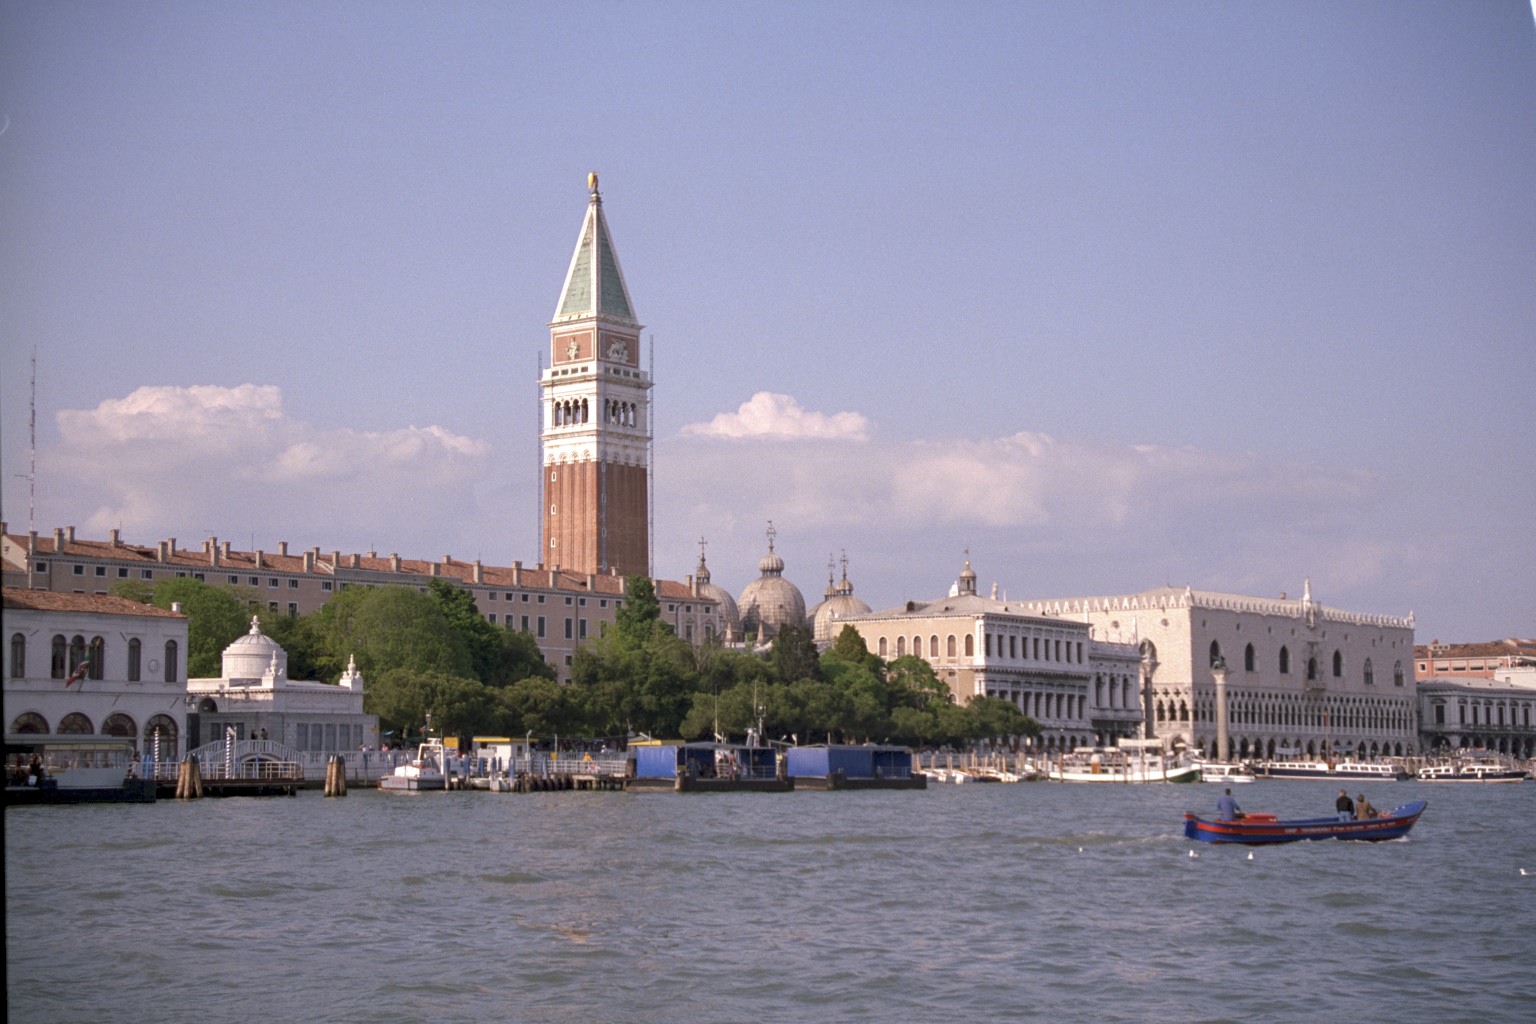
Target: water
(1035,902)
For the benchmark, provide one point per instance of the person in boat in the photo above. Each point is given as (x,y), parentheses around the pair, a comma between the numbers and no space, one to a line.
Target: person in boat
(1363,808)
(1226,807)
(1345,806)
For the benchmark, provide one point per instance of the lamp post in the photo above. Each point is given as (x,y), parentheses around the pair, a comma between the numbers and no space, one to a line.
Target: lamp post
(1149,668)
(1219,673)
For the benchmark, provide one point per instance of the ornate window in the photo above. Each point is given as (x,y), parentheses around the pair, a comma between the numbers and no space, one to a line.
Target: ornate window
(1250,659)
(1370,673)
(1338,664)
(30,723)
(135,660)
(171,658)
(18,656)
(1285,661)
(58,666)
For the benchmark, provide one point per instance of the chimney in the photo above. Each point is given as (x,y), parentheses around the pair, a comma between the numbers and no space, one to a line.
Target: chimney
(261,559)
(69,534)
(117,538)
(309,561)
(591,581)
(58,540)
(282,548)
(225,548)
(437,569)
(161,553)
(517,574)
(479,572)
(373,555)
(211,545)
(355,561)
(335,558)
(32,543)
(394,562)
(170,547)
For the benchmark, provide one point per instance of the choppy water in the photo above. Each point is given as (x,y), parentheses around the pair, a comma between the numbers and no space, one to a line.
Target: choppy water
(1034,902)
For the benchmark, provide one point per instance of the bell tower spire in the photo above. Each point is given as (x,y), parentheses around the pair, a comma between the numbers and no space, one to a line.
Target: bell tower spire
(595,419)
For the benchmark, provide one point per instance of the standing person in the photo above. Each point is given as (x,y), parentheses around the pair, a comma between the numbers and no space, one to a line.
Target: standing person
(1226,807)
(1363,808)
(1345,806)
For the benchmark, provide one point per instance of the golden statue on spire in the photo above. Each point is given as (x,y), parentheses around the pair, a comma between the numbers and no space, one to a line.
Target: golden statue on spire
(592,182)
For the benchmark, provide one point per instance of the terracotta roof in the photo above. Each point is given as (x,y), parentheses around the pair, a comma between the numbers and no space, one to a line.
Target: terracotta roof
(1513,646)
(101,604)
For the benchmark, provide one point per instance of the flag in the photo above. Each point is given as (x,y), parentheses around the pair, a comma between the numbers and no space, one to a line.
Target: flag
(78,674)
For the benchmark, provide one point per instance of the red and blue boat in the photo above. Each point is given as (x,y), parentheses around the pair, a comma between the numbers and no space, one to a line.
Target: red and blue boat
(1269,828)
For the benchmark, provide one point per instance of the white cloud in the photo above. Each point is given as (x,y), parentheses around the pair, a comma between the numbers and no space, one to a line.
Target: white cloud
(1045,517)
(194,459)
(766,414)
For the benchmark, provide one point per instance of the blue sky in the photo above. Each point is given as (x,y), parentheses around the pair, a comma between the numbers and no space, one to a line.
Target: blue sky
(1110,296)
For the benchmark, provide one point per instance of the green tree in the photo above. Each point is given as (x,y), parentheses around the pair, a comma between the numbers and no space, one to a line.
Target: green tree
(387,628)
(499,657)
(793,654)
(542,707)
(403,697)
(638,676)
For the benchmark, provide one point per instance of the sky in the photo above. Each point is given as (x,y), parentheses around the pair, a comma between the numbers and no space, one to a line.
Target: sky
(1102,297)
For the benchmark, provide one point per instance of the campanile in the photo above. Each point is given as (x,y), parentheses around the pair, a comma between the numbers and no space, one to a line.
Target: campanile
(596,416)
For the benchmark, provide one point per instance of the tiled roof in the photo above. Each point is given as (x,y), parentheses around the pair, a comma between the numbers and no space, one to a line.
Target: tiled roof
(100,604)
(1513,646)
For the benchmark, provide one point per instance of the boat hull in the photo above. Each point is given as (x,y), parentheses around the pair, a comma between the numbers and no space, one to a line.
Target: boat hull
(129,791)
(1263,829)
(1339,772)
(397,784)
(1188,773)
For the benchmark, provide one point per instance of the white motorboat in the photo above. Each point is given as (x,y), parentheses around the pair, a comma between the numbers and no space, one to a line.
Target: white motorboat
(1227,774)
(424,772)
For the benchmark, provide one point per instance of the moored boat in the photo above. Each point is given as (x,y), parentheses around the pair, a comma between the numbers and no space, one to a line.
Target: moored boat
(1374,771)
(422,773)
(71,769)
(1475,770)
(1133,761)
(1268,828)
(1230,774)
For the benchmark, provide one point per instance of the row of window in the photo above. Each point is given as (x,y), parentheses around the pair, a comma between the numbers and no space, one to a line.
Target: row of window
(1483,714)
(1250,664)
(79,658)
(159,729)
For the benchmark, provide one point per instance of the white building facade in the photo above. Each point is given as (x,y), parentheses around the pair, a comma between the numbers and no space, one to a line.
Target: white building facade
(88,665)
(255,700)
(1081,690)
(1302,679)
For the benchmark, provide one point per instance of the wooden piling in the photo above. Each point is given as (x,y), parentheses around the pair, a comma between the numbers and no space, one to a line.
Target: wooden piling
(336,776)
(189,780)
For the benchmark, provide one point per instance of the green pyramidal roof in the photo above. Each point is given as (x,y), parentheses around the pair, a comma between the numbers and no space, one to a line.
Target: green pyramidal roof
(594,285)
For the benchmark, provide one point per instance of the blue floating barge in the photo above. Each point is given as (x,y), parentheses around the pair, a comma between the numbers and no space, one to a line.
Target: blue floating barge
(708,768)
(834,766)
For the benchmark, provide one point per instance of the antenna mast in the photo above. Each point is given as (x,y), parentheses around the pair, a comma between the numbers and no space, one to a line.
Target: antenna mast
(650,467)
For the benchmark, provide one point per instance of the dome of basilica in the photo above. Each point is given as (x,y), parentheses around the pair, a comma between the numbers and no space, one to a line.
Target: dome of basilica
(730,618)
(826,617)
(770,602)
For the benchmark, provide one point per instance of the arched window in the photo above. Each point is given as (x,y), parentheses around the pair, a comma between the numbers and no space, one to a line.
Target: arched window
(1397,674)
(18,656)
(76,724)
(1285,661)
(1311,669)
(58,666)
(76,652)
(933,646)
(135,661)
(970,645)
(1215,653)
(901,646)
(119,724)
(98,657)
(31,723)
(1370,673)
(1250,659)
(171,653)
(949,646)
(882,647)
(1338,664)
